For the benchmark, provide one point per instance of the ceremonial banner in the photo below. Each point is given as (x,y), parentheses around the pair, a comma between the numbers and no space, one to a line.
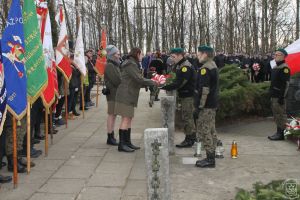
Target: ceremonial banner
(35,60)
(48,95)
(3,93)
(13,61)
(293,58)
(79,52)
(62,49)
(101,59)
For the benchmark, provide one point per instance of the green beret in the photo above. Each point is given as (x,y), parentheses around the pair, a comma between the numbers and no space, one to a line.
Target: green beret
(205,48)
(177,50)
(283,51)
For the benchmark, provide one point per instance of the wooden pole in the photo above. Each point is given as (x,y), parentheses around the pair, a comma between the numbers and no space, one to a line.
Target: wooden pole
(82,96)
(97,97)
(51,125)
(46,132)
(28,137)
(15,161)
(66,101)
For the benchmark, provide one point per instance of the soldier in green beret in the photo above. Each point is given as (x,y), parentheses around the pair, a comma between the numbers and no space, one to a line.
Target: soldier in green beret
(280,78)
(205,103)
(184,84)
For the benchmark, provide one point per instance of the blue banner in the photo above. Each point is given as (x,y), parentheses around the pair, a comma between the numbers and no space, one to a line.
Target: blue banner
(13,61)
(3,94)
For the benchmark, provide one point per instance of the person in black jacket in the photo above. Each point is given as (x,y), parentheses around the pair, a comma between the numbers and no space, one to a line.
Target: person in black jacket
(184,84)
(74,86)
(205,103)
(92,78)
(280,79)
(157,66)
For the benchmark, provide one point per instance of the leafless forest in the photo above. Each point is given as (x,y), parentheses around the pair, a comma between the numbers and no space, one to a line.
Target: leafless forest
(232,26)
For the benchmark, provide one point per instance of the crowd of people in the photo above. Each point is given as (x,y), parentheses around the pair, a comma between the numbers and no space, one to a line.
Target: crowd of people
(196,83)
(197,86)
(74,97)
(257,67)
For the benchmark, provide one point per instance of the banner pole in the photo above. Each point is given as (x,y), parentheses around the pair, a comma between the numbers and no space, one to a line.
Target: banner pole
(82,96)
(15,161)
(97,97)
(66,101)
(28,137)
(51,125)
(46,132)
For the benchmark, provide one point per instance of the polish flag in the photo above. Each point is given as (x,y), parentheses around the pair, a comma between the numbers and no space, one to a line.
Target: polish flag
(79,52)
(48,95)
(293,58)
(62,49)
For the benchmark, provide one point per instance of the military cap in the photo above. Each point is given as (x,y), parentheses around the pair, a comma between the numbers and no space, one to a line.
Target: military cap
(205,48)
(282,51)
(177,50)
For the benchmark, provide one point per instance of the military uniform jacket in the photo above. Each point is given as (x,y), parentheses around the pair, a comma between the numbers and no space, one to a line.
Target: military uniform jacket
(112,78)
(280,77)
(207,86)
(131,82)
(184,82)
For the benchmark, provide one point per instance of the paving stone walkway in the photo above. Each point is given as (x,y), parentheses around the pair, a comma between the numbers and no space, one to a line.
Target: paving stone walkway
(80,166)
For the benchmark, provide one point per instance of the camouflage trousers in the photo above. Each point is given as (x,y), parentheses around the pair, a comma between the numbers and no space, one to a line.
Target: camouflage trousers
(279,113)
(21,131)
(154,91)
(206,129)
(187,107)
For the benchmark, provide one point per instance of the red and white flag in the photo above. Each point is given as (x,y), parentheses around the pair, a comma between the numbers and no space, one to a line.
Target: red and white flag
(101,59)
(48,95)
(79,59)
(293,58)
(62,49)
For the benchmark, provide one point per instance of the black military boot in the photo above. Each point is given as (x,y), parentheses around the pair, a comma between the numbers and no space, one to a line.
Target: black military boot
(5,179)
(193,138)
(23,162)
(111,140)
(208,162)
(186,143)
(122,144)
(10,165)
(128,140)
(279,135)
(156,98)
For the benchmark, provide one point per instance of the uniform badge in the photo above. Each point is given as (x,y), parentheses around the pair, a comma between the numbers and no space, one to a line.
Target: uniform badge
(203,72)
(184,69)
(286,70)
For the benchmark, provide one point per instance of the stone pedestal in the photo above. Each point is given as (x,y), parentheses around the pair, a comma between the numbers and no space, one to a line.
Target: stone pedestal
(168,119)
(157,163)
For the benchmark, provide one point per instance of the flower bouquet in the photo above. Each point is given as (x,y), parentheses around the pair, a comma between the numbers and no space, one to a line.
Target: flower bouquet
(170,78)
(160,79)
(293,129)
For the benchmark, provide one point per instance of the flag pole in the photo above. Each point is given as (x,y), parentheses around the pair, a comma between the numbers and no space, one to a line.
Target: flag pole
(82,96)
(51,125)
(97,97)
(15,169)
(46,132)
(28,136)
(66,101)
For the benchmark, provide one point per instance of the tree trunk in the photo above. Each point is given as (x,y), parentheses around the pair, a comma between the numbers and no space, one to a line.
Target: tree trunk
(163,25)
(297,18)
(255,33)
(274,12)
